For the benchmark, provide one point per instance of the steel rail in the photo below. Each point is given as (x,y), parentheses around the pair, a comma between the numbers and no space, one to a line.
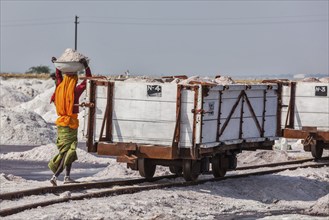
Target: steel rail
(78,186)
(105,184)
(135,189)
(281,163)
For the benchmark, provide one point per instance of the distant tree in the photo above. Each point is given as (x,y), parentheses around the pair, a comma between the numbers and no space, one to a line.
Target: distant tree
(39,69)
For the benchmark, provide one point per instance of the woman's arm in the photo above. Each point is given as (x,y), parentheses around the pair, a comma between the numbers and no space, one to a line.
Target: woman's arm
(82,86)
(59,77)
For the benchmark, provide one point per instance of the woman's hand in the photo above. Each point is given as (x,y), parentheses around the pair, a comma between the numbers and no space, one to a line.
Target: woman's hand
(84,62)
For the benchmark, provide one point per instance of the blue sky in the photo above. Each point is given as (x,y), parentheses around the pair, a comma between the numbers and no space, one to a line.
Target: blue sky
(236,38)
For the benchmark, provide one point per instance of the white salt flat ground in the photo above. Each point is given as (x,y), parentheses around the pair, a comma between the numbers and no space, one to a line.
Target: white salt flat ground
(299,194)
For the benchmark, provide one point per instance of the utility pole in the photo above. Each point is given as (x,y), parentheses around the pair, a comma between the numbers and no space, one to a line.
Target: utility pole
(76,32)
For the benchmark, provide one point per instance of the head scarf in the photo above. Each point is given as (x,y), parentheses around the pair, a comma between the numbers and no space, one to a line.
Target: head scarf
(64,100)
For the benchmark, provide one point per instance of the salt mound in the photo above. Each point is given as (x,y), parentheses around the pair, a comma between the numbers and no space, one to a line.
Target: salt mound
(261,157)
(193,79)
(46,152)
(321,207)
(221,80)
(224,80)
(310,79)
(16,91)
(176,80)
(116,170)
(11,97)
(71,55)
(143,79)
(324,79)
(30,87)
(24,127)
(41,105)
(298,145)
(42,153)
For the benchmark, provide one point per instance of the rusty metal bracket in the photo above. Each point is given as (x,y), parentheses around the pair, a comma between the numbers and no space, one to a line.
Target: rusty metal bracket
(219,114)
(86,104)
(291,108)
(279,132)
(175,77)
(92,77)
(201,111)
(131,159)
(263,114)
(194,147)
(91,119)
(176,138)
(107,119)
(308,140)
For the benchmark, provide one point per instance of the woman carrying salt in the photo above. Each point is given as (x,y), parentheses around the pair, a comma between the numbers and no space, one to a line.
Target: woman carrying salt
(66,99)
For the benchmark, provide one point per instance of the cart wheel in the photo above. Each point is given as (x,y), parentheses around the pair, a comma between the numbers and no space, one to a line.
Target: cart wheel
(317,150)
(146,168)
(176,170)
(191,169)
(219,165)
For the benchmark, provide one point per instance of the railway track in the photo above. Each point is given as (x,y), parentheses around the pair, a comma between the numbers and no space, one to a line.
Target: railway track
(127,186)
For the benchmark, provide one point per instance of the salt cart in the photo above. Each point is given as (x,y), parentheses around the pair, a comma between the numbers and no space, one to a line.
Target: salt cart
(305,114)
(185,127)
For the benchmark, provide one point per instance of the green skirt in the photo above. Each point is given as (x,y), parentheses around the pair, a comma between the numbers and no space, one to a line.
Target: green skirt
(67,140)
